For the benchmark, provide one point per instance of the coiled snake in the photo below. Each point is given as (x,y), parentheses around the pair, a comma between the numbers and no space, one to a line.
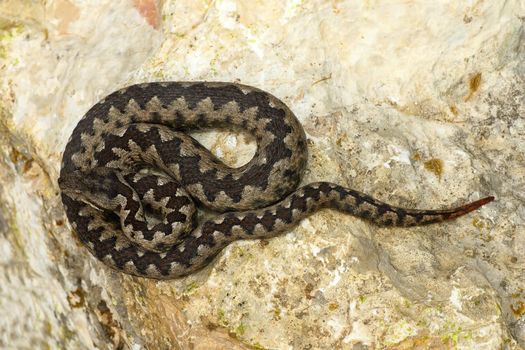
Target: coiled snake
(129,174)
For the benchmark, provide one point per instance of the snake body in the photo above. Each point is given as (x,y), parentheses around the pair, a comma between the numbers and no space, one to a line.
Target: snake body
(131,176)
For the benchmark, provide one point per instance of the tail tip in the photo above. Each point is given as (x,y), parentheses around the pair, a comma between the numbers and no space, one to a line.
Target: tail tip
(471,206)
(485,200)
(480,202)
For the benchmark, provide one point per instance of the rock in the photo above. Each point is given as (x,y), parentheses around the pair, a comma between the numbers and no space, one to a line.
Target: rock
(420,104)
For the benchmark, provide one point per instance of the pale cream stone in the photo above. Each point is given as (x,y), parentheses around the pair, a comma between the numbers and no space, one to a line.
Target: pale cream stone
(386,92)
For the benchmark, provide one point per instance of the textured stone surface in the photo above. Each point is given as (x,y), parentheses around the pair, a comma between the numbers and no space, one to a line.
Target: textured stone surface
(421,104)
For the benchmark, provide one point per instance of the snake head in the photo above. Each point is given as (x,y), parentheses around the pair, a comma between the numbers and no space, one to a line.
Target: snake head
(98,187)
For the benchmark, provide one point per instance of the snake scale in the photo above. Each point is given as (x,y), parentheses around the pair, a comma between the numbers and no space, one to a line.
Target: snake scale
(131,178)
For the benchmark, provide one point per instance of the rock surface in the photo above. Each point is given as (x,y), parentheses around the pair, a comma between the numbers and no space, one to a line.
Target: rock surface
(420,104)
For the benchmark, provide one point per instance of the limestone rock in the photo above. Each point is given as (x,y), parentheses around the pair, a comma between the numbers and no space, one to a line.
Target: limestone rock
(419,103)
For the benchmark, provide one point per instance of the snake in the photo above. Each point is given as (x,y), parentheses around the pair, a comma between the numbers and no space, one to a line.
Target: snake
(134,182)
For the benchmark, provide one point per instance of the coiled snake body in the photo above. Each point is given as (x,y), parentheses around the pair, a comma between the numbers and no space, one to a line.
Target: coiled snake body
(129,174)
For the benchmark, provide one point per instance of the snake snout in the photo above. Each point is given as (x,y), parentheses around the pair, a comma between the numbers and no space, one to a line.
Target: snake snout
(98,187)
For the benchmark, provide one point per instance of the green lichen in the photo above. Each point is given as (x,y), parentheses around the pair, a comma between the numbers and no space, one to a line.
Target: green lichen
(221,318)
(258,346)
(407,304)
(190,288)
(399,331)
(240,329)
(7,33)
(159,74)
(452,333)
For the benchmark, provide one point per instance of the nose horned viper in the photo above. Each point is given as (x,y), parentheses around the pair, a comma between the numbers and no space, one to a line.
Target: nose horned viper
(131,177)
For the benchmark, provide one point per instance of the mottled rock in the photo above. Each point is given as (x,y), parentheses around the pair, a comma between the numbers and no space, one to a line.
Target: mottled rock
(420,104)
